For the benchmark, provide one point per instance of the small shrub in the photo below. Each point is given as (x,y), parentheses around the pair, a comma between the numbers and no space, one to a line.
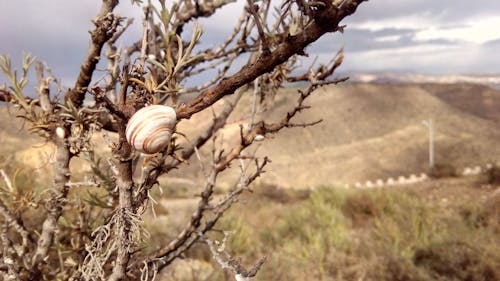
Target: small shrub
(385,234)
(473,215)
(321,211)
(493,175)
(492,211)
(454,260)
(360,208)
(443,170)
(405,222)
(396,268)
(281,195)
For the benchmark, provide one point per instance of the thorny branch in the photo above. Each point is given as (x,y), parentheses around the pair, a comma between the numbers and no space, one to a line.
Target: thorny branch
(233,264)
(196,227)
(54,206)
(106,25)
(325,20)
(17,224)
(107,247)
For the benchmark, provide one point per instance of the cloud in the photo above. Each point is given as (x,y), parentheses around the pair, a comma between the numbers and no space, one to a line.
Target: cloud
(428,36)
(427,58)
(443,11)
(492,44)
(468,21)
(474,30)
(55,31)
(419,35)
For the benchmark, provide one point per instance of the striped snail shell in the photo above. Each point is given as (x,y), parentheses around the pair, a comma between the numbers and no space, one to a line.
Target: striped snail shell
(149,130)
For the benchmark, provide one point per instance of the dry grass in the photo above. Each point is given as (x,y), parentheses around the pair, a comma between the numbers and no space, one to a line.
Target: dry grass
(339,234)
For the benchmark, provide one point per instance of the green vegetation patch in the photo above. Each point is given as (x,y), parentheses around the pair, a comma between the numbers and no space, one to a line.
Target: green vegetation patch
(345,234)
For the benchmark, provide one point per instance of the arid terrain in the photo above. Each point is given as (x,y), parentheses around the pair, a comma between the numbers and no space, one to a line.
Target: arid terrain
(369,132)
(439,229)
(372,131)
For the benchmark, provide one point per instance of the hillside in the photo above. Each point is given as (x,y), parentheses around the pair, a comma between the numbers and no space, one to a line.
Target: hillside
(491,80)
(476,99)
(373,131)
(369,131)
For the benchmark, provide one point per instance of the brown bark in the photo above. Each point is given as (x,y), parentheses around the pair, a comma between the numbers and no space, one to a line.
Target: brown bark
(106,24)
(326,20)
(125,184)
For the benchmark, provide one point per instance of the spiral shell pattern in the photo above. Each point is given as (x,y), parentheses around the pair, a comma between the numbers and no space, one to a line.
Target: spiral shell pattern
(149,130)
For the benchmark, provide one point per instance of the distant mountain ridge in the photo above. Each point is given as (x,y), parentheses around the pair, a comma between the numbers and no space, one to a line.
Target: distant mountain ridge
(492,80)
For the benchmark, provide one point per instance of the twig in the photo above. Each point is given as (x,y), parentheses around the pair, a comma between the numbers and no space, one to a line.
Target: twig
(326,20)
(109,105)
(218,123)
(256,89)
(43,89)
(7,180)
(252,8)
(54,206)
(106,25)
(233,264)
(18,225)
(200,9)
(144,44)
(83,183)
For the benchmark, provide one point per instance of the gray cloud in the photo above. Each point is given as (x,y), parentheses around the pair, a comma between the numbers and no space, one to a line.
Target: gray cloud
(446,11)
(492,44)
(357,40)
(56,32)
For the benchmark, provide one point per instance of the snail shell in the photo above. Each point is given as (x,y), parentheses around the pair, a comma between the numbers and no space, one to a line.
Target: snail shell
(60,132)
(149,130)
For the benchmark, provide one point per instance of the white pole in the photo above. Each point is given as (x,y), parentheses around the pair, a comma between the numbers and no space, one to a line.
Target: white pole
(430,125)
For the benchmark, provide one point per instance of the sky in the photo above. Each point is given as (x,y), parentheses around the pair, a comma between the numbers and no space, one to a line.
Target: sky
(418,36)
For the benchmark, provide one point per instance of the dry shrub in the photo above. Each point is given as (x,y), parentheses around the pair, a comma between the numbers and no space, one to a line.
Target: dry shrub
(395,268)
(473,215)
(492,211)
(329,237)
(281,195)
(493,175)
(484,215)
(452,260)
(443,170)
(360,209)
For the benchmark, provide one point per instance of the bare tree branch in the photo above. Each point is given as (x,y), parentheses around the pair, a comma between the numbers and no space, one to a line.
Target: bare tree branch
(218,123)
(18,225)
(191,11)
(233,264)
(195,229)
(43,89)
(106,25)
(107,227)
(252,7)
(125,184)
(54,205)
(326,20)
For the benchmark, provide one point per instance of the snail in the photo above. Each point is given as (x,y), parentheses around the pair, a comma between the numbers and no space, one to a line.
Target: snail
(149,130)
(60,132)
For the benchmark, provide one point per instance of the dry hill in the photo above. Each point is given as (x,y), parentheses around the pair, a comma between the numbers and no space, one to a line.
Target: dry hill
(369,131)
(478,100)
